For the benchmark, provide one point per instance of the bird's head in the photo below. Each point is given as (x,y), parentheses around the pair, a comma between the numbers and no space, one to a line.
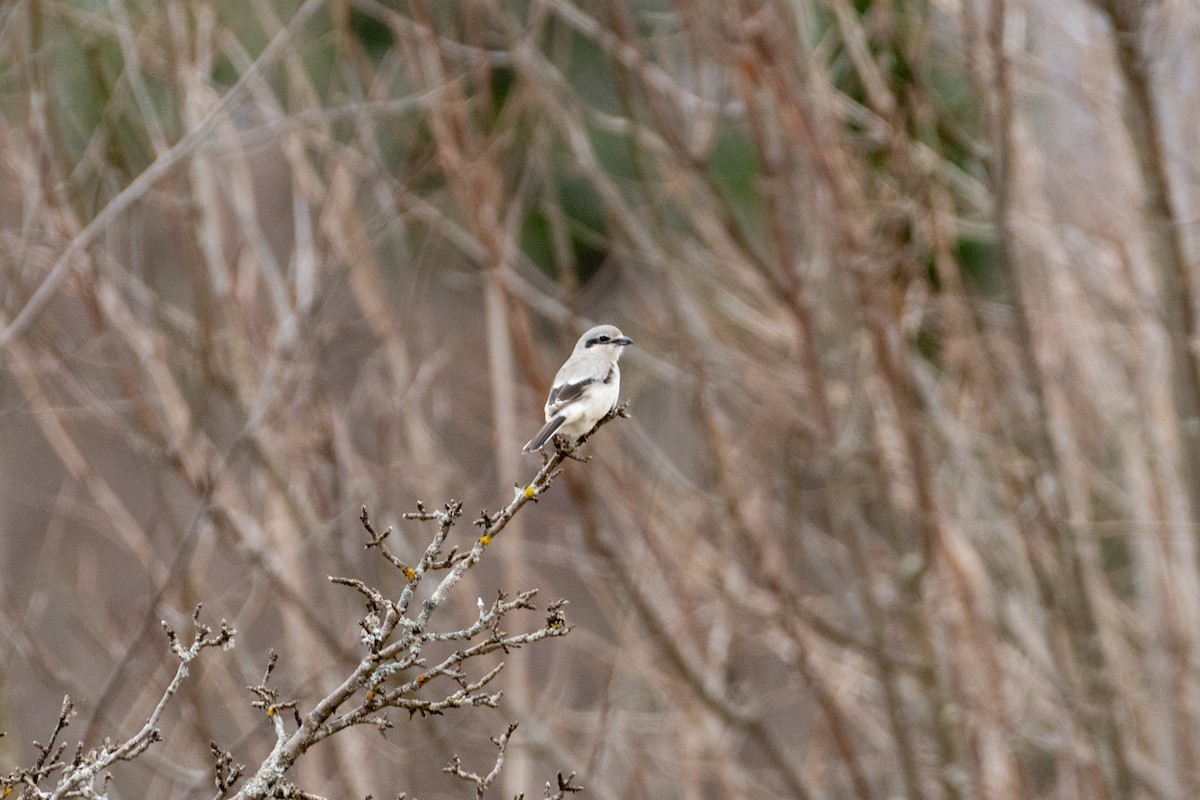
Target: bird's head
(606,339)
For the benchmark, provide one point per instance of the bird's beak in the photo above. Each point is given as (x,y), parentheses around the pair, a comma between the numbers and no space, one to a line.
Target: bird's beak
(623,341)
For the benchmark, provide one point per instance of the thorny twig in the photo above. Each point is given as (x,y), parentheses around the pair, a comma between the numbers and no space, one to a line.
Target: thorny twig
(388,655)
(394,634)
(564,787)
(226,771)
(86,774)
(482,782)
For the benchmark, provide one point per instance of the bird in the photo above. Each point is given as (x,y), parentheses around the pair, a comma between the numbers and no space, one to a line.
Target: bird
(585,388)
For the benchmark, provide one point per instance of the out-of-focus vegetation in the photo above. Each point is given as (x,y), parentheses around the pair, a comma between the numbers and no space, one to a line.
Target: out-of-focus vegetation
(908,505)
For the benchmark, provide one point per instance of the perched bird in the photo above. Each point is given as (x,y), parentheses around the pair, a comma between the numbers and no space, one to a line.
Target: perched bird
(585,388)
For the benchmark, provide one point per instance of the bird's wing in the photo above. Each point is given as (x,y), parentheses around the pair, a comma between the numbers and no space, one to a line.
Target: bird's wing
(564,394)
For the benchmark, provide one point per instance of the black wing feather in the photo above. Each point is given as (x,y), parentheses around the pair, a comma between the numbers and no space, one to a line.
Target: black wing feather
(568,392)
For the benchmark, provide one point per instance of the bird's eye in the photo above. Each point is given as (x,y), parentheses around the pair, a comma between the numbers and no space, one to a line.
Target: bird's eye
(603,338)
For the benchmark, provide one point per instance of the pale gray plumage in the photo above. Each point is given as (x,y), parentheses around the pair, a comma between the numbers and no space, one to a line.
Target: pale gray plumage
(585,388)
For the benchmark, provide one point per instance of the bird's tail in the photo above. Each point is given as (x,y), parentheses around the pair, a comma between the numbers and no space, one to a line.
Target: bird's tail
(543,436)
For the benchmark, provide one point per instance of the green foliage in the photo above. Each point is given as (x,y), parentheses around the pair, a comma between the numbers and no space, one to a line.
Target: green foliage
(735,169)
(979,261)
(583,213)
(375,37)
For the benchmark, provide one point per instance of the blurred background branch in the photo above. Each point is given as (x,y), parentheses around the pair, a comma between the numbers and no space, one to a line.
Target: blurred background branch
(908,505)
